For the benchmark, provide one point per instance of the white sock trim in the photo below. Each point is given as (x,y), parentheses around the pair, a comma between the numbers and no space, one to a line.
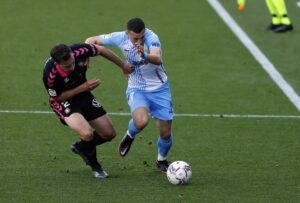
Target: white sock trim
(161,158)
(129,134)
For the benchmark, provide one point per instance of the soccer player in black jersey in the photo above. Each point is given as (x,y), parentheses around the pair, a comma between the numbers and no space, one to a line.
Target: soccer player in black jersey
(71,99)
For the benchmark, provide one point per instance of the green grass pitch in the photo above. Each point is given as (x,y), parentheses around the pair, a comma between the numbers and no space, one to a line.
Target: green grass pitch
(233,159)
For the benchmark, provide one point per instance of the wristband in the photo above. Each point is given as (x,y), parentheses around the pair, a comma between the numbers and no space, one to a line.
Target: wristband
(145,55)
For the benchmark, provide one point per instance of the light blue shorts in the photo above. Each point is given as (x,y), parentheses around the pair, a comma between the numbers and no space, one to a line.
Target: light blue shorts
(158,102)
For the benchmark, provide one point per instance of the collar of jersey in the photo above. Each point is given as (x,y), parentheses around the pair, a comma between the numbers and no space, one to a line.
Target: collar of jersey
(61,72)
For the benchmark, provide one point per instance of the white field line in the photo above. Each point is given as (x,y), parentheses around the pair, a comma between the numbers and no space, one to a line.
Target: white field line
(177,115)
(298,4)
(257,54)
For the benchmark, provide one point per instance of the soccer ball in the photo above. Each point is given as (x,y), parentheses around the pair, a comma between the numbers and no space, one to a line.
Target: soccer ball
(179,173)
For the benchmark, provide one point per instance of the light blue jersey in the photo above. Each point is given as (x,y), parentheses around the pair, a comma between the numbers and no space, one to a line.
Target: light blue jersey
(148,88)
(146,76)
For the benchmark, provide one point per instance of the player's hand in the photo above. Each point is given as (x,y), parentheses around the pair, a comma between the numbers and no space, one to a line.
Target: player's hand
(91,84)
(127,68)
(140,49)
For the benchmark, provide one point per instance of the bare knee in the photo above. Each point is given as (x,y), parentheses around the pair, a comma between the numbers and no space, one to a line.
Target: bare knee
(165,129)
(165,135)
(165,132)
(141,122)
(108,134)
(140,118)
(86,135)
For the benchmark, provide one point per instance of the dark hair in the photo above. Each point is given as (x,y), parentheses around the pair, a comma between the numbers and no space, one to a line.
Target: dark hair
(136,25)
(60,52)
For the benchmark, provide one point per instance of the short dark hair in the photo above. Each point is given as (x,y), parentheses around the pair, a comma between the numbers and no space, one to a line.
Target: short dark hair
(136,25)
(60,52)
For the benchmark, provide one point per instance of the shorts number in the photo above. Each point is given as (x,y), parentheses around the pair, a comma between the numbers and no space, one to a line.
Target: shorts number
(66,104)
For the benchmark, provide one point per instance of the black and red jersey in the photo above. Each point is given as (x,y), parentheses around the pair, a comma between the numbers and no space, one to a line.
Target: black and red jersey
(56,80)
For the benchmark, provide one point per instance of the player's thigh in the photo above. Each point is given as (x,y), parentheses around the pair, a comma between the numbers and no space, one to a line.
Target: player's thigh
(136,99)
(161,106)
(78,123)
(91,108)
(103,126)
(139,107)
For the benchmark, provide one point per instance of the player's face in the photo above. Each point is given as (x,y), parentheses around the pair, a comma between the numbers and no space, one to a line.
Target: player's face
(68,65)
(136,38)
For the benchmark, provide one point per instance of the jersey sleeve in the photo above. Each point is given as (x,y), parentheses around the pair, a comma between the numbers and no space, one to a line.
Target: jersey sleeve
(152,40)
(51,80)
(84,50)
(112,39)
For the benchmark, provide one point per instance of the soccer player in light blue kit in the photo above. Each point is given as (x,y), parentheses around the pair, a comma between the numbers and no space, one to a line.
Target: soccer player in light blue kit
(148,88)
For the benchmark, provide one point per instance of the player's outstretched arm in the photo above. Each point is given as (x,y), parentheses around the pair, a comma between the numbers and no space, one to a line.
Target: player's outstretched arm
(108,54)
(93,40)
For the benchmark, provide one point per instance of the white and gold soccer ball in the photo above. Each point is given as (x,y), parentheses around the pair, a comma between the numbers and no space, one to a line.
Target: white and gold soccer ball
(179,173)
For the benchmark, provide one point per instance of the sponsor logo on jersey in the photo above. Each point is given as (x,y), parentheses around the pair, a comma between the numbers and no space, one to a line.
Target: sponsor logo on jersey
(66,80)
(95,103)
(83,63)
(107,36)
(155,44)
(139,63)
(52,92)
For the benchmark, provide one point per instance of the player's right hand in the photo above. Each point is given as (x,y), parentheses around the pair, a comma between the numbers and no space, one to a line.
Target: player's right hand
(140,49)
(91,84)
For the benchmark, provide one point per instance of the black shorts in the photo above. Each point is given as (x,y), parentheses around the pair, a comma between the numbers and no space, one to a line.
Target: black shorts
(84,103)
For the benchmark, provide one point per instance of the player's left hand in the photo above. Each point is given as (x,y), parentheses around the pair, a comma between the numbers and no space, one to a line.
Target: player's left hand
(140,49)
